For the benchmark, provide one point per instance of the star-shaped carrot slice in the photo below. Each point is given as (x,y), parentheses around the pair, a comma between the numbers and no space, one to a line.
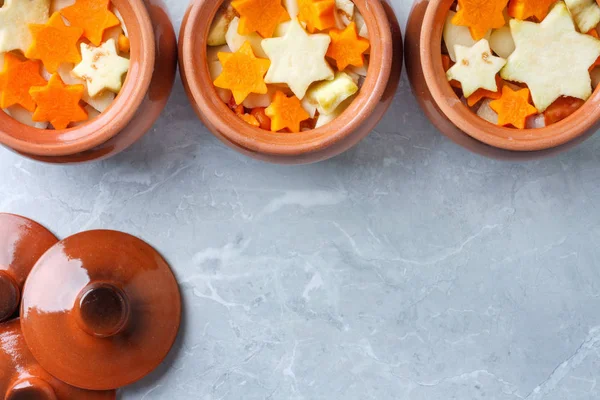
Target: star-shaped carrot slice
(317,14)
(513,107)
(286,112)
(484,93)
(347,48)
(480,16)
(58,103)
(262,16)
(243,73)
(54,43)
(93,16)
(16,79)
(524,9)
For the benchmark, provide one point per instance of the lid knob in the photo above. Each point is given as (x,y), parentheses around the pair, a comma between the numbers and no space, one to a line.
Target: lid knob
(31,389)
(103,309)
(10,295)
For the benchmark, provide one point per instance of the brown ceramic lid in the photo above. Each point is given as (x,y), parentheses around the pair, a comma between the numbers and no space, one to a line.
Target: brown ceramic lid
(22,242)
(100,310)
(22,378)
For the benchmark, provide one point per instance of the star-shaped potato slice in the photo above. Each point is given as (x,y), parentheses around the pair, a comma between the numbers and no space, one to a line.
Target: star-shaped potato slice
(102,68)
(58,103)
(243,73)
(480,16)
(16,79)
(298,59)
(93,16)
(15,17)
(100,102)
(260,16)
(475,68)
(552,58)
(54,43)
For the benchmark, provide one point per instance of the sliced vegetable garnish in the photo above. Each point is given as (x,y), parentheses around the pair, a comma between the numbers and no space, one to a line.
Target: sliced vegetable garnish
(513,107)
(58,103)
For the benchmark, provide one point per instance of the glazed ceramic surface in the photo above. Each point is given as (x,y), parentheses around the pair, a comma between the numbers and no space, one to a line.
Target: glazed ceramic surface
(134,111)
(22,243)
(405,269)
(100,310)
(344,132)
(22,378)
(451,117)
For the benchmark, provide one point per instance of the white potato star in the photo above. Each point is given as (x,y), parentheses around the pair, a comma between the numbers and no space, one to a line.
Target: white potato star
(101,67)
(298,59)
(476,67)
(552,58)
(15,17)
(100,102)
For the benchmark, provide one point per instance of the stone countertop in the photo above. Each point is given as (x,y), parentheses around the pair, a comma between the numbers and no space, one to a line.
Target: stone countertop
(406,268)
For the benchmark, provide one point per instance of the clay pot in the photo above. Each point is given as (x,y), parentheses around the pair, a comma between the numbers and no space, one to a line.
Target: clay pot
(455,120)
(22,378)
(22,243)
(346,131)
(134,111)
(100,310)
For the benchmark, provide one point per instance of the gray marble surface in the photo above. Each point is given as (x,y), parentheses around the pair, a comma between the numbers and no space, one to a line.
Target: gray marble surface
(406,268)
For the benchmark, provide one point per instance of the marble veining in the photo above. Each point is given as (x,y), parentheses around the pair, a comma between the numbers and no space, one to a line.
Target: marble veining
(406,268)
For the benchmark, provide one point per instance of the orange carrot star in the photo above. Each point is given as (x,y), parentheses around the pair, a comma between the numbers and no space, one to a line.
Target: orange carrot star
(347,48)
(317,14)
(513,107)
(16,79)
(93,16)
(286,112)
(480,16)
(58,103)
(54,43)
(243,73)
(523,9)
(260,16)
(484,93)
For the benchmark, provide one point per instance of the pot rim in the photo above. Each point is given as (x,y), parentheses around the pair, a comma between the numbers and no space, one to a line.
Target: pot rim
(554,135)
(39,142)
(215,113)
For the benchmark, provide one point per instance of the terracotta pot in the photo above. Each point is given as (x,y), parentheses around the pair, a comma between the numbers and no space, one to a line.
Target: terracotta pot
(134,111)
(455,120)
(347,130)
(100,310)
(22,243)
(21,377)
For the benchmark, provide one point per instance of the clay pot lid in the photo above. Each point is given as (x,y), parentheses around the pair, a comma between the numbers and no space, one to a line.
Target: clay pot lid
(100,310)
(22,242)
(22,378)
